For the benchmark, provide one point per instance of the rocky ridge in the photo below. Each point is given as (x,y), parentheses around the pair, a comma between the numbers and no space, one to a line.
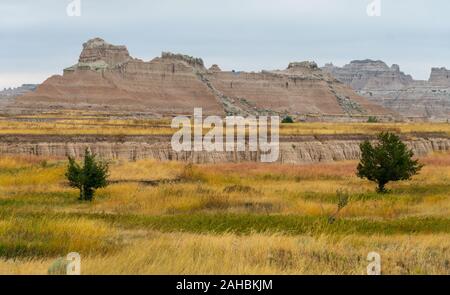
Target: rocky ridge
(393,89)
(18,91)
(107,77)
(293,149)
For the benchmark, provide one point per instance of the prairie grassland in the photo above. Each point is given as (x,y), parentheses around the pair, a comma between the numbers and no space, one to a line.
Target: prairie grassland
(92,123)
(224,218)
(183,253)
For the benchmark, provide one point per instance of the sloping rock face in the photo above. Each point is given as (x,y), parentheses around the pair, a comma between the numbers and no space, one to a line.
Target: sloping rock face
(107,77)
(440,77)
(370,75)
(302,88)
(393,89)
(293,150)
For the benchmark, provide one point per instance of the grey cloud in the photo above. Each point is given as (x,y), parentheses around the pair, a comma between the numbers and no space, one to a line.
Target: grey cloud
(247,35)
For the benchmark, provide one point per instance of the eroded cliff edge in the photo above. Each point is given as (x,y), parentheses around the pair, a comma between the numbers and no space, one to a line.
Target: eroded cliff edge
(107,78)
(293,149)
(397,91)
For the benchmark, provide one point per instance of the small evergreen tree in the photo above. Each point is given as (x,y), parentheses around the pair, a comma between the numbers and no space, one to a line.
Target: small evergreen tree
(93,175)
(389,160)
(287,120)
(372,119)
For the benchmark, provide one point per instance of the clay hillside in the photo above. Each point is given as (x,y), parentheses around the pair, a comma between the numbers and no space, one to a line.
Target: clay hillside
(107,77)
(393,89)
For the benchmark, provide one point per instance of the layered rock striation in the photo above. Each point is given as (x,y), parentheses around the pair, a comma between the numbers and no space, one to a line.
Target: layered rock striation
(300,89)
(107,77)
(293,149)
(393,89)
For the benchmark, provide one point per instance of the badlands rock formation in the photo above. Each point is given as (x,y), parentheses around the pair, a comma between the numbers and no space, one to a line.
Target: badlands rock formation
(18,91)
(393,89)
(301,89)
(440,76)
(293,149)
(107,77)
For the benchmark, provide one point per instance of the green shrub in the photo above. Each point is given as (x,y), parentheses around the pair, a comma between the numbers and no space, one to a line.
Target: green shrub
(389,160)
(372,119)
(93,175)
(287,120)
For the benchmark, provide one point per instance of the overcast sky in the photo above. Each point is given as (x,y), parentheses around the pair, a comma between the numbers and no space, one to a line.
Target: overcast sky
(38,38)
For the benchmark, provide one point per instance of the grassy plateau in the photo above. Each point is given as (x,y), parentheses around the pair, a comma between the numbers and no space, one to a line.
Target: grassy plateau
(248,218)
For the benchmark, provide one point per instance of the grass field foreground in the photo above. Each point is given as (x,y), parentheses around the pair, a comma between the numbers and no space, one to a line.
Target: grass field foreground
(223,218)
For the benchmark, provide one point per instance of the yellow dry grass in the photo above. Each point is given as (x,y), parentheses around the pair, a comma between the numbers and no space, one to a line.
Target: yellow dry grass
(76,122)
(232,188)
(46,237)
(39,221)
(177,253)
